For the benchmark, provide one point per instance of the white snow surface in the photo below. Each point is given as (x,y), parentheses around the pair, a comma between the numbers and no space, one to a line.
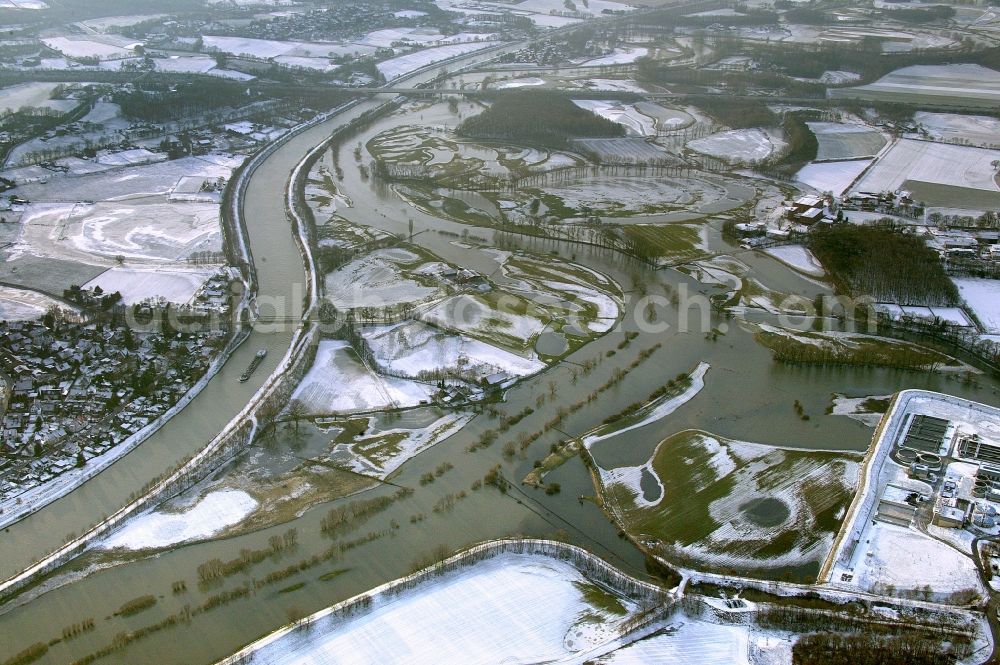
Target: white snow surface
(213,513)
(908,559)
(393,68)
(833,177)
(24,305)
(338,382)
(509,609)
(620,56)
(983,296)
(740,145)
(799,258)
(411,348)
(636,123)
(174,284)
(691,642)
(938,163)
(519,83)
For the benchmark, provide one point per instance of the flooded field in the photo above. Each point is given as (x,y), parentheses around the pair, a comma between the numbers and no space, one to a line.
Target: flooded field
(267,562)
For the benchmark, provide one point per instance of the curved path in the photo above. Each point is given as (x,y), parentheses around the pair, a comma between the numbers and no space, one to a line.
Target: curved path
(281,290)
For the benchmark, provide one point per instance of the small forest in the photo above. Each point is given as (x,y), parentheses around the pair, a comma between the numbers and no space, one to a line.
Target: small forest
(881,262)
(537,118)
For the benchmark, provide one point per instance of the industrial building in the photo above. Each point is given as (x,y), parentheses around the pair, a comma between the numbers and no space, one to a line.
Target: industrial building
(973,446)
(925,434)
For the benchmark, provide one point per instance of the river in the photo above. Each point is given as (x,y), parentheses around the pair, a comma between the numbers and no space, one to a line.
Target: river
(747,396)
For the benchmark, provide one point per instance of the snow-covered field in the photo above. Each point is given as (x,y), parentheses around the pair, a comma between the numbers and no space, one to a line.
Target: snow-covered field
(268,48)
(959,85)
(724,479)
(833,177)
(620,56)
(475,316)
(509,609)
(176,284)
(935,163)
(23,4)
(23,305)
(983,297)
(393,68)
(907,559)
(740,145)
(338,382)
(688,643)
(378,279)
(629,150)
(104,47)
(414,349)
(842,140)
(615,85)
(978,130)
(143,230)
(635,122)
(33,95)
(197,64)
(523,82)
(799,258)
(212,513)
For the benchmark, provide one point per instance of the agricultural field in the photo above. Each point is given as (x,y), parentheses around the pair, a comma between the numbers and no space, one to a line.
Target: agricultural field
(145,229)
(691,641)
(740,146)
(799,258)
(125,218)
(401,65)
(842,141)
(102,47)
(24,305)
(981,297)
(725,505)
(977,130)
(176,284)
(623,196)
(338,382)
(35,95)
(488,611)
(614,85)
(943,85)
(385,277)
(635,122)
(633,150)
(833,177)
(624,55)
(936,173)
(417,350)
(266,48)
(671,243)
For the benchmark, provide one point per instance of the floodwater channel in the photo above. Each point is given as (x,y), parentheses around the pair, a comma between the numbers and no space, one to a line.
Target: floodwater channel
(746,396)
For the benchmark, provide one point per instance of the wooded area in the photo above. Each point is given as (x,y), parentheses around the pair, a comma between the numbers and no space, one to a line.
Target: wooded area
(882,262)
(537,118)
